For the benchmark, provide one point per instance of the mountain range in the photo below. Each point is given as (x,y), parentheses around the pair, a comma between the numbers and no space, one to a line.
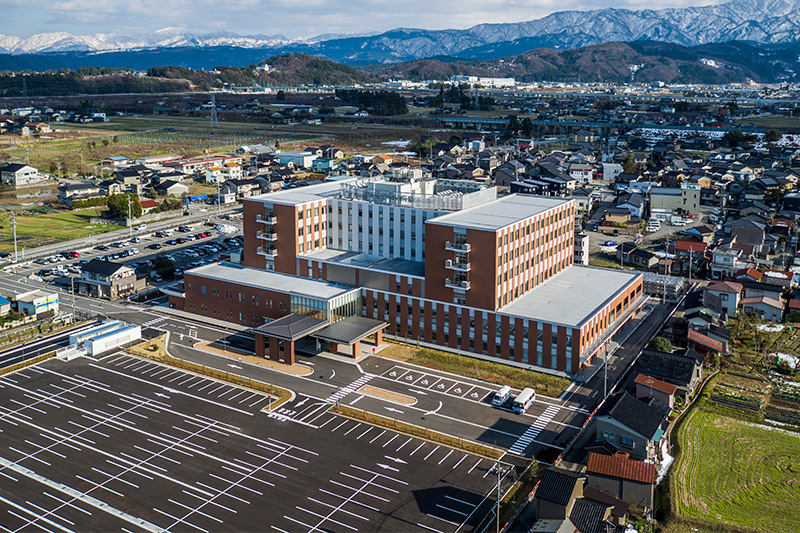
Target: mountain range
(761,21)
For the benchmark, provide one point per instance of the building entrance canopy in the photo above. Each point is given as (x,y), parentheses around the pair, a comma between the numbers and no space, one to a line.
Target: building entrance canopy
(291,327)
(347,331)
(350,330)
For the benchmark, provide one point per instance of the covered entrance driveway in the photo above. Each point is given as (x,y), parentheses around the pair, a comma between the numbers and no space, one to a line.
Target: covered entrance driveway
(278,338)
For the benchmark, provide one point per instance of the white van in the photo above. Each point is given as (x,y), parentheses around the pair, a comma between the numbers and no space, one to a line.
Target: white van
(141,227)
(501,396)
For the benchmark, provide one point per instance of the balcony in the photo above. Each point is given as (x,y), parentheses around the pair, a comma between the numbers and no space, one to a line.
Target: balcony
(457,246)
(267,219)
(458,285)
(460,266)
(267,235)
(269,253)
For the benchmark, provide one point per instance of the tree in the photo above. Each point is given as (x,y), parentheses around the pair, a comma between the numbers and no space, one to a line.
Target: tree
(280,96)
(629,166)
(661,344)
(527,127)
(772,136)
(118,205)
(165,267)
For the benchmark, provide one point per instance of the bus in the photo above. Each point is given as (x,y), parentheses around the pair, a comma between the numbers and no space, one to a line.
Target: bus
(501,396)
(524,400)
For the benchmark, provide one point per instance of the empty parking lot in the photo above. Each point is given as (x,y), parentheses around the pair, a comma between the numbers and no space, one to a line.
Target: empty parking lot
(123,444)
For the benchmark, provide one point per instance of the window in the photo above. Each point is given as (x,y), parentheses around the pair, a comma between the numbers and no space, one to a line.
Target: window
(627,442)
(202,289)
(609,436)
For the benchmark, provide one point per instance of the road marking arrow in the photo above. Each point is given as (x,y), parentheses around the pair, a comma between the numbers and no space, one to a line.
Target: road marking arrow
(435,410)
(387,467)
(396,460)
(392,409)
(301,402)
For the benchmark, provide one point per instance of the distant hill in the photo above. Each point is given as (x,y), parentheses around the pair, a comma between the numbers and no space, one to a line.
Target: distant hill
(287,69)
(621,62)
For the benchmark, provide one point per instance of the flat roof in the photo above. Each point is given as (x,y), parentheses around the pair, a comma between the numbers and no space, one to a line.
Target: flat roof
(264,279)
(572,296)
(501,212)
(301,195)
(362,260)
(350,330)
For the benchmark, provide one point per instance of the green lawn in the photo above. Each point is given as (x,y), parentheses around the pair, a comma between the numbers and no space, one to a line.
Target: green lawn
(39,230)
(734,473)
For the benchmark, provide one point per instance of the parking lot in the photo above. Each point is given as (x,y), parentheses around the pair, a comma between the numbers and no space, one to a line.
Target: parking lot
(186,246)
(125,444)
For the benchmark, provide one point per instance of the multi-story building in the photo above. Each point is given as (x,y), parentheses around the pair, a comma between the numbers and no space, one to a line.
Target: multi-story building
(445,263)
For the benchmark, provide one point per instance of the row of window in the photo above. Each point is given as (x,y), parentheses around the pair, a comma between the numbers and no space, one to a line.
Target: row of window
(240,296)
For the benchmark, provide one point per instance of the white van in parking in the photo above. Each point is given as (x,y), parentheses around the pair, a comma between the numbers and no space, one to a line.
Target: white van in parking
(501,396)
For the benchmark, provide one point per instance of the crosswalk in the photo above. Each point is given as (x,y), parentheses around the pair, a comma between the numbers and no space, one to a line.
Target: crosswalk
(341,393)
(154,321)
(533,431)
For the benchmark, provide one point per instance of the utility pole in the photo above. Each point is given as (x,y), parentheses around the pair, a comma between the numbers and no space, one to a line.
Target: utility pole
(219,200)
(72,290)
(14,227)
(130,221)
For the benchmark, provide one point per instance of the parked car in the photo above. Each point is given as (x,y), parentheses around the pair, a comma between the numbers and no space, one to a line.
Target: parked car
(171,242)
(136,240)
(101,248)
(155,246)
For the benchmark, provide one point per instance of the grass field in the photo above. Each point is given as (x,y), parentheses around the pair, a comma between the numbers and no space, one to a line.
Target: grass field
(39,230)
(733,473)
(470,367)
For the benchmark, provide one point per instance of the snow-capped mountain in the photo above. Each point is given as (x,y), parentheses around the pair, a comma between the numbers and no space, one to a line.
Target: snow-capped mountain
(764,21)
(105,42)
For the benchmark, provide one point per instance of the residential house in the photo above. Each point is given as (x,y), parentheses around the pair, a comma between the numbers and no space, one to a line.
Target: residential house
(557,492)
(616,215)
(563,504)
(630,254)
(610,171)
(764,307)
(754,289)
(69,192)
(622,477)
(650,387)
(241,188)
(105,279)
(680,369)
(746,232)
(172,188)
(635,426)
(19,175)
(727,294)
(633,202)
(581,172)
(114,162)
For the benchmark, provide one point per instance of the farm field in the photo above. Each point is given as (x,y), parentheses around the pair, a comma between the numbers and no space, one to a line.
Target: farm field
(734,473)
(38,230)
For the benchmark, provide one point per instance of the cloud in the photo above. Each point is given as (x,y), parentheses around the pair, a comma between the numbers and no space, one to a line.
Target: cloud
(293,18)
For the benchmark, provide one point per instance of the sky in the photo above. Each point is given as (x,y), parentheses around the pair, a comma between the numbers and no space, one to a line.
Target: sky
(290,18)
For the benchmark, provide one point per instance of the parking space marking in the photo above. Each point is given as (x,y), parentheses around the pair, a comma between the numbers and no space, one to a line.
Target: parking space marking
(436,383)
